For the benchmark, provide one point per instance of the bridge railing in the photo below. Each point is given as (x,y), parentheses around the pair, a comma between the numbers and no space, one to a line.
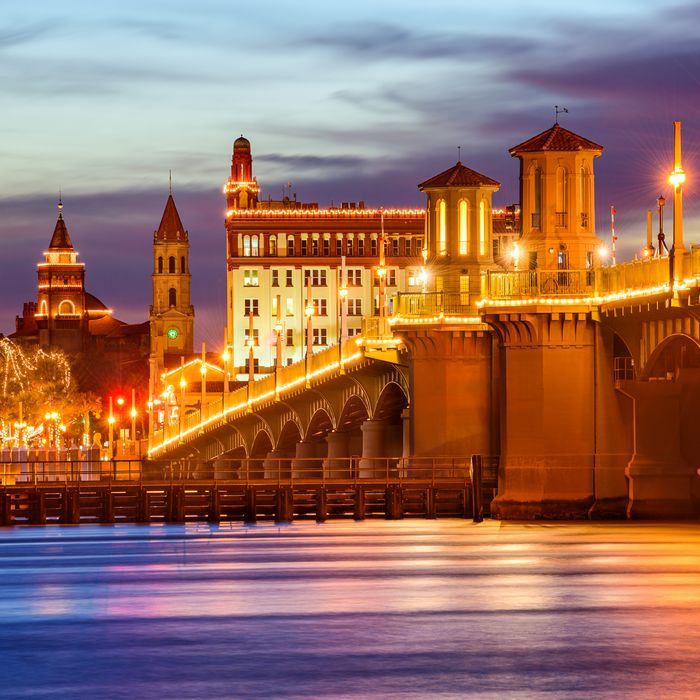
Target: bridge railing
(412,304)
(631,276)
(540,283)
(695,260)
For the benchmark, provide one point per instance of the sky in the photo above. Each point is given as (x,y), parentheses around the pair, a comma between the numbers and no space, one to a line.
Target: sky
(346,101)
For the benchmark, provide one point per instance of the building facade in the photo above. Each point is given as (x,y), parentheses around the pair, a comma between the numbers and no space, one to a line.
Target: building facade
(274,248)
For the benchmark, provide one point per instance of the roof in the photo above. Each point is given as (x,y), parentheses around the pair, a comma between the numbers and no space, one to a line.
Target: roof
(556,138)
(171,228)
(61,238)
(241,142)
(459,176)
(92,303)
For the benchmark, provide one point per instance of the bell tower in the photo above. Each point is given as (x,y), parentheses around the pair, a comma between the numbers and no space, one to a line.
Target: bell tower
(458,229)
(241,188)
(557,201)
(171,315)
(61,316)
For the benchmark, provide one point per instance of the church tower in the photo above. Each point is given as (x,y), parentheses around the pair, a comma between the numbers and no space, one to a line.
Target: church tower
(62,317)
(241,188)
(172,315)
(458,230)
(557,201)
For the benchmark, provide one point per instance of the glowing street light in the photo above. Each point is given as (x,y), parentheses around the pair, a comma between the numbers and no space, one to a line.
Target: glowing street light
(515,254)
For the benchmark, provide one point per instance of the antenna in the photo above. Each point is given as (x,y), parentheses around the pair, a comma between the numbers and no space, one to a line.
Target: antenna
(557,111)
(60,199)
(170,181)
(459,154)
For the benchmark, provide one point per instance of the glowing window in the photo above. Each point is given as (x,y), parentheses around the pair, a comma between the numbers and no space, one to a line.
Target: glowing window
(463,230)
(482,228)
(442,227)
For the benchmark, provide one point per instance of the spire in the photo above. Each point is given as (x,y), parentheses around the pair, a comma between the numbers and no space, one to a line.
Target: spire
(61,238)
(171,228)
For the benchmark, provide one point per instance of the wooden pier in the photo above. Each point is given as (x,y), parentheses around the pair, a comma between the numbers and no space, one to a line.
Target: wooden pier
(137,499)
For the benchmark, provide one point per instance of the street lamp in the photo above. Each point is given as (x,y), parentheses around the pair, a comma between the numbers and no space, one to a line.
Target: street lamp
(515,254)
(662,250)
(677,178)
(308,312)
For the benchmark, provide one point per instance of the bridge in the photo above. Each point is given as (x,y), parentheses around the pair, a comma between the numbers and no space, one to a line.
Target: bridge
(583,383)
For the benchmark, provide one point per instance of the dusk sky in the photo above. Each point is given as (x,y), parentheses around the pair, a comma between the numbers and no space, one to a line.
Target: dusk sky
(347,101)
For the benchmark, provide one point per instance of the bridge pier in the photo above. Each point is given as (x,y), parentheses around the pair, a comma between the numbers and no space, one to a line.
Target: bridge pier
(337,462)
(373,463)
(276,465)
(305,465)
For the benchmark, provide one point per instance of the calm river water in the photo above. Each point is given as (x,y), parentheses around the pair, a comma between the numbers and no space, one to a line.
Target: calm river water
(408,609)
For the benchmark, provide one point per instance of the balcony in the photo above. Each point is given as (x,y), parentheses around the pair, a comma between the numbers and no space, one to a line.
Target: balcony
(561,218)
(540,283)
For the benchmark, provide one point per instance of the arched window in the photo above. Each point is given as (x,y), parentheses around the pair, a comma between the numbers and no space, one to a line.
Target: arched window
(172,296)
(254,248)
(584,185)
(246,246)
(463,227)
(66,308)
(171,265)
(537,200)
(42,308)
(272,245)
(561,197)
(442,227)
(160,264)
(182,265)
(482,227)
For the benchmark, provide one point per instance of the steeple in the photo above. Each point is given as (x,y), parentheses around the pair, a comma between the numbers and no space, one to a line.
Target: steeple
(61,238)
(171,228)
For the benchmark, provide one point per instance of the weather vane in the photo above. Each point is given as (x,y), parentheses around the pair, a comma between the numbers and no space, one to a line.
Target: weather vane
(559,110)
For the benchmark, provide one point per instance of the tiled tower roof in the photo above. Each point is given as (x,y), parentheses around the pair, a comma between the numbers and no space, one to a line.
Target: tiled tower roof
(459,176)
(61,238)
(556,138)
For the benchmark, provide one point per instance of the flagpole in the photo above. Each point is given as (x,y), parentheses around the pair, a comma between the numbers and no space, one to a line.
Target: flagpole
(614,237)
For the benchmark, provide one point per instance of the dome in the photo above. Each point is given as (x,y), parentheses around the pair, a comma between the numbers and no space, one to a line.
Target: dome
(240,143)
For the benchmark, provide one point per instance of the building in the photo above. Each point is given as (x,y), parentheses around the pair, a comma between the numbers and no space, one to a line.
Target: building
(274,248)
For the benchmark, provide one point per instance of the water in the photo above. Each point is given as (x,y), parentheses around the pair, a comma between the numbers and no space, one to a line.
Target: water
(407,609)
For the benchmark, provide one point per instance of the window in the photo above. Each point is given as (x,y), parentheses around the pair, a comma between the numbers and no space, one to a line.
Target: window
(250,278)
(354,307)
(391,278)
(256,365)
(361,246)
(250,246)
(290,337)
(172,296)
(272,245)
(289,278)
(413,278)
(276,278)
(160,264)
(171,265)
(256,340)
(442,227)
(66,308)
(290,246)
(319,336)
(182,265)
(318,277)
(354,278)
(562,196)
(496,247)
(314,247)
(463,227)
(537,204)
(373,248)
(464,290)
(395,246)
(350,251)
(326,246)
(290,307)
(353,331)
(250,306)
(304,246)
(482,228)
(320,307)
(419,246)
(406,246)
(275,306)
(338,246)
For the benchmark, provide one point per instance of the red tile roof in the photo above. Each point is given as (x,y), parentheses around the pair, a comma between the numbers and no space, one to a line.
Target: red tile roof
(171,228)
(556,138)
(459,176)
(60,238)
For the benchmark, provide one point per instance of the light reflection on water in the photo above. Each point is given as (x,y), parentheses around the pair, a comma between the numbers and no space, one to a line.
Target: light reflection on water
(410,609)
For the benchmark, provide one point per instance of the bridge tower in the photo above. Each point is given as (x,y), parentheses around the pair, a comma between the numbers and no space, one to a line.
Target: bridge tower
(557,201)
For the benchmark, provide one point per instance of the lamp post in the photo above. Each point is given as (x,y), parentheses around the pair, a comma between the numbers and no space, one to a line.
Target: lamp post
(183,384)
(110,423)
(381,273)
(649,248)
(279,328)
(661,250)
(251,355)
(309,312)
(133,417)
(677,178)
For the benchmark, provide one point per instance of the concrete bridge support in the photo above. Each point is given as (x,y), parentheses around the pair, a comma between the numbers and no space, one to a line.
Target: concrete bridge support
(337,462)
(373,450)
(548,428)
(305,464)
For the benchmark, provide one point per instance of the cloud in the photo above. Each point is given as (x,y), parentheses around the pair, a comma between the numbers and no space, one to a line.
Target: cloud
(24,35)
